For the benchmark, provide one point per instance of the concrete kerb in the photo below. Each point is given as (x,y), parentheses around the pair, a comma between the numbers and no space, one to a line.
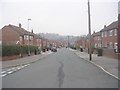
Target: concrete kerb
(30,62)
(99,66)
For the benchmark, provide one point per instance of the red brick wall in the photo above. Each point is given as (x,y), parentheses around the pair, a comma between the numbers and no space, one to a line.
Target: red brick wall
(110,53)
(108,39)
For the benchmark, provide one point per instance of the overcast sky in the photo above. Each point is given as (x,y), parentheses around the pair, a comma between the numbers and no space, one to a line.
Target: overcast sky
(66,17)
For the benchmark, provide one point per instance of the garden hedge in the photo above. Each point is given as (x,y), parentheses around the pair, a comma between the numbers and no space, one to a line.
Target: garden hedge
(13,49)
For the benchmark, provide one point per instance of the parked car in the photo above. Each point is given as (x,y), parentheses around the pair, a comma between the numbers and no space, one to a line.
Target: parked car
(43,49)
(54,49)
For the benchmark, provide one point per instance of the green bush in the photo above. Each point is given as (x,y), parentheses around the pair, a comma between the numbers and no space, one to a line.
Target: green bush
(77,46)
(13,49)
(100,52)
(9,50)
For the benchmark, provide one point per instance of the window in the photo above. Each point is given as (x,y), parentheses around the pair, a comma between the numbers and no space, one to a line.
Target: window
(102,34)
(115,47)
(95,45)
(99,38)
(20,38)
(31,37)
(105,33)
(24,36)
(115,32)
(110,32)
(110,44)
(27,37)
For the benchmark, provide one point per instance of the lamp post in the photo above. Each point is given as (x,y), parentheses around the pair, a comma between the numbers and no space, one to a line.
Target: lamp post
(118,31)
(89,27)
(68,42)
(28,38)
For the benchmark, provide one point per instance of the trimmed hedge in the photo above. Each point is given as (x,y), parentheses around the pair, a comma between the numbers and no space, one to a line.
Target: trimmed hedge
(13,49)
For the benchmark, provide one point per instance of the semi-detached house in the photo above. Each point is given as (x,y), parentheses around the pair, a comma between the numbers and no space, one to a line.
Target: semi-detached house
(16,34)
(107,39)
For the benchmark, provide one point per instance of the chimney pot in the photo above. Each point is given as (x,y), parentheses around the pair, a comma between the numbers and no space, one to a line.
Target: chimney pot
(19,25)
(104,26)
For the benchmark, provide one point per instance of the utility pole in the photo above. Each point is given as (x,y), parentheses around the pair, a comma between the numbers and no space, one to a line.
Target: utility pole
(118,30)
(68,42)
(89,27)
(28,38)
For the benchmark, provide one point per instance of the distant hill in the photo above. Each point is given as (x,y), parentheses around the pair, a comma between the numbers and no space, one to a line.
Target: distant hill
(60,38)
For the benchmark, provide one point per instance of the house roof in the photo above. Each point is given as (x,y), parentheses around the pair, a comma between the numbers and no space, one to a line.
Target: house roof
(37,36)
(113,25)
(19,30)
(96,34)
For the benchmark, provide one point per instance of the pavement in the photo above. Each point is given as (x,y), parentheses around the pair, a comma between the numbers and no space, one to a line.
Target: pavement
(108,65)
(23,61)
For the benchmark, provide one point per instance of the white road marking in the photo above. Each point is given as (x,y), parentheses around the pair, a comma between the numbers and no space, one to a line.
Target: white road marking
(3,72)
(11,70)
(105,70)
(101,68)
(3,75)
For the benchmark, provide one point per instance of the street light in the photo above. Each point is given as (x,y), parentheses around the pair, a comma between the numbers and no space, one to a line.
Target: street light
(89,27)
(118,31)
(28,38)
(68,42)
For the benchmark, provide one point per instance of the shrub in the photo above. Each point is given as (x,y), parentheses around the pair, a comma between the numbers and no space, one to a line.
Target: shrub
(13,49)
(100,51)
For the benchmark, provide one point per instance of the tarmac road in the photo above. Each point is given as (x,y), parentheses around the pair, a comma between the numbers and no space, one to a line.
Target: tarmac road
(62,69)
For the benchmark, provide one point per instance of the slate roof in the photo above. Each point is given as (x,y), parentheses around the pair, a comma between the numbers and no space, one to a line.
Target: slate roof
(113,25)
(19,30)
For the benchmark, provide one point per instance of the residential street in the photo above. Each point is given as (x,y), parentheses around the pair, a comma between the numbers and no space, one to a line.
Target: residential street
(62,69)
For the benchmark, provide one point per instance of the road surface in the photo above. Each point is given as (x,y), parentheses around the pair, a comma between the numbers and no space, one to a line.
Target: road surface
(62,69)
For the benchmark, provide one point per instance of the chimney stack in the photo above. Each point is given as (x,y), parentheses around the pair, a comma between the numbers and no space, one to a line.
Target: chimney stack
(19,25)
(32,31)
(104,26)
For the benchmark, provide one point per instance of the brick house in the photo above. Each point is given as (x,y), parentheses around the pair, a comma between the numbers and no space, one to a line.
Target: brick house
(82,42)
(109,35)
(14,34)
(96,37)
(109,40)
(0,36)
(37,40)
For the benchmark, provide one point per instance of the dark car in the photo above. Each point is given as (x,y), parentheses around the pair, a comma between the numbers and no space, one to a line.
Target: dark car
(43,49)
(54,49)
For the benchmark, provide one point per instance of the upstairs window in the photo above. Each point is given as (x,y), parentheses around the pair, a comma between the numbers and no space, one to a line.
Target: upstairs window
(102,34)
(111,33)
(115,32)
(105,33)
(20,38)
